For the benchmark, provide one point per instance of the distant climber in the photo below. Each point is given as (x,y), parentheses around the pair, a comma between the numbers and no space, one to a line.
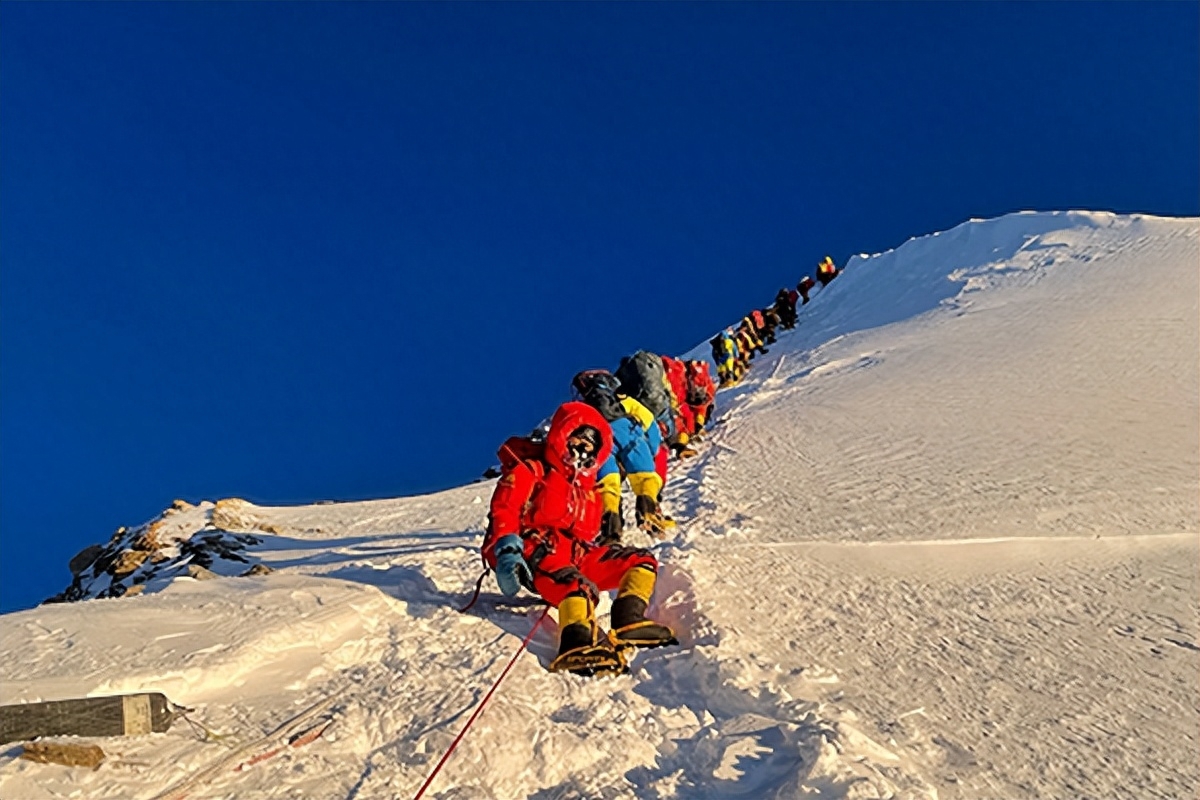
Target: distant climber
(701,394)
(785,307)
(804,287)
(826,271)
(724,353)
(770,323)
(685,418)
(758,320)
(748,339)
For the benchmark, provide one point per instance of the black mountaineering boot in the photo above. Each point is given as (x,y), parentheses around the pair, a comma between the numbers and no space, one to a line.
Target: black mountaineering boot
(574,636)
(630,627)
(579,656)
(650,517)
(580,650)
(610,529)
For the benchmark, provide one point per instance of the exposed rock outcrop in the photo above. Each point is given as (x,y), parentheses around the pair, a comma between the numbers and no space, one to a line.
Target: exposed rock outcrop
(85,558)
(207,540)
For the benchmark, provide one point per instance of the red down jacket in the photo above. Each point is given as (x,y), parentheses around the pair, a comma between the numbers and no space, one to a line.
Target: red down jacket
(544,493)
(685,421)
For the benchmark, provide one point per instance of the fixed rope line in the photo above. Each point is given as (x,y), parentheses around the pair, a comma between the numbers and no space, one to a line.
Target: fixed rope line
(478,588)
(478,709)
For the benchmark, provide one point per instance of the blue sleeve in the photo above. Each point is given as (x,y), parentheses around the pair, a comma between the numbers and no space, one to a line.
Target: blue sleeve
(632,450)
(608,467)
(639,458)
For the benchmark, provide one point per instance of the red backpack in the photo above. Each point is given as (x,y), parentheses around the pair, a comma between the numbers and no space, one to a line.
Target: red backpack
(518,450)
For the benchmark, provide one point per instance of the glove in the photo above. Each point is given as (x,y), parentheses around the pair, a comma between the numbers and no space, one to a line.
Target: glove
(511,570)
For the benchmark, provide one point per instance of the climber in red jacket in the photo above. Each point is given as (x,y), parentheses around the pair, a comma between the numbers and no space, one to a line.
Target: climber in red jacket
(805,286)
(545,514)
(685,419)
(701,392)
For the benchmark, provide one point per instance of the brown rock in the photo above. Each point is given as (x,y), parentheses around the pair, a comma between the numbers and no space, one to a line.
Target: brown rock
(200,573)
(148,540)
(257,569)
(69,755)
(85,558)
(230,514)
(181,505)
(126,562)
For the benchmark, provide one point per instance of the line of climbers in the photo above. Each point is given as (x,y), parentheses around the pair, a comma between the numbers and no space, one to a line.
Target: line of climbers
(735,347)
(556,518)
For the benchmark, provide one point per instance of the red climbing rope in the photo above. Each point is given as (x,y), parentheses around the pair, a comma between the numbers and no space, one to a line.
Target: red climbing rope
(524,643)
(478,588)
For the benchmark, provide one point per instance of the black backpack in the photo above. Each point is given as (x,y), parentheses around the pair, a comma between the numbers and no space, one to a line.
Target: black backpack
(598,388)
(643,378)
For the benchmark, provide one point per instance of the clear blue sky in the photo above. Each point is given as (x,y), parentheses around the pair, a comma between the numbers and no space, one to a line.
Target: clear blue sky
(304,251)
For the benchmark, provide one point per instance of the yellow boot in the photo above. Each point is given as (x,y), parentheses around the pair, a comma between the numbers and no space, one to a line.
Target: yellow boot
(582,650)
(650,517)
(630,628)
(648,486)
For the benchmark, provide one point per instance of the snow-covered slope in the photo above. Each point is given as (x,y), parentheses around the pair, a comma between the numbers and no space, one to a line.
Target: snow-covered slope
(943,542)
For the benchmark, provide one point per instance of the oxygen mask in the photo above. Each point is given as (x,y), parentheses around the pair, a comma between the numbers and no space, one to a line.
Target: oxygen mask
(582,445)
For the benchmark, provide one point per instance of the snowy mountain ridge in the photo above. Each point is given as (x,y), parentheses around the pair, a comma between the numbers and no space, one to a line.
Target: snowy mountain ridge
(1025,389)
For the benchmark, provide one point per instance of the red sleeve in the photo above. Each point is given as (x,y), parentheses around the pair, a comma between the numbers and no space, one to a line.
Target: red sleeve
(508,501)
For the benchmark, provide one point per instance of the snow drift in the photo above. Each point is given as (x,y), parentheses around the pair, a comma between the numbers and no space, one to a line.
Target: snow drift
(942,542)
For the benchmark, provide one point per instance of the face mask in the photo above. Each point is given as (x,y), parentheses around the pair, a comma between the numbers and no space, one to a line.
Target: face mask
(580,454)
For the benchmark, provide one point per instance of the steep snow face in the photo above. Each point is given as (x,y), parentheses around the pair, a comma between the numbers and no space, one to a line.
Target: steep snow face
(943,542)
(968,485)
(1043,381)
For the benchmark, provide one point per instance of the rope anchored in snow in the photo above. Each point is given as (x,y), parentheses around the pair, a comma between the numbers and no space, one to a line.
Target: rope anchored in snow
(479,709)
(298,730)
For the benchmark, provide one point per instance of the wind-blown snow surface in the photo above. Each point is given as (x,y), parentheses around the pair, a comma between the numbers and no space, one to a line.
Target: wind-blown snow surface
(942,543)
